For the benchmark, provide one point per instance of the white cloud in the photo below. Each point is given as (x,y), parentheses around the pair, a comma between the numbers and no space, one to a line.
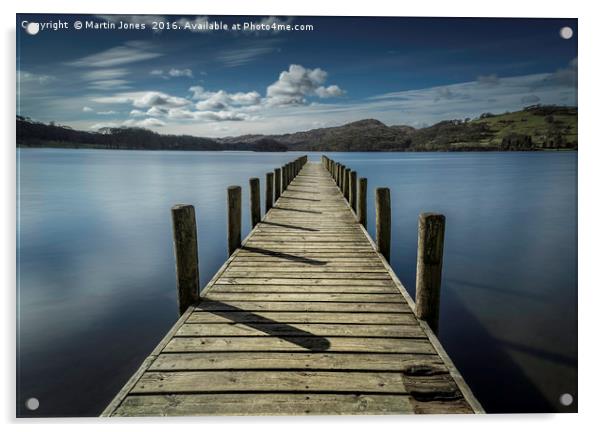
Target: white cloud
(330,91)
(104,74)
(244,55)
(106,113)
(172,73)
(25,77)
(294,85)
(87,109)
(144,99)
(146,123)
(130,52)
(113,84)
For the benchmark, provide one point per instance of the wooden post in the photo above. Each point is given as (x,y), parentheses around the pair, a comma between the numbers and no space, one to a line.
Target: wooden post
(431,234)
(284,175)
(234,218)
(353,190)
(186,253)
(383,222)
(362,202)
(336,173)
(255,199)
(346,184)
(269,191)
(277,183)
(342,178)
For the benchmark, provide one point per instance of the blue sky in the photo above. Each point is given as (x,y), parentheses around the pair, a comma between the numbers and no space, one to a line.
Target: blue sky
(413,71)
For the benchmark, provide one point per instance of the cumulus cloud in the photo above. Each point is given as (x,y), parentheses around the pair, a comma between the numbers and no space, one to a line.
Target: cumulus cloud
(220,100)
(144,99)
(296,84)
(87,109)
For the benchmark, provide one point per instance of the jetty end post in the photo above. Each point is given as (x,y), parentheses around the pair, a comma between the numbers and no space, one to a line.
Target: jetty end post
(234,218)
(277,184)
(353,190)
(186,254)
(255,199)
(346,183)
(362,204)
(269,191)
(431,234)
(383,222)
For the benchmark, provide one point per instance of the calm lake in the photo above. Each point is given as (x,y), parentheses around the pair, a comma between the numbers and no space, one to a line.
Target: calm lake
(97,281)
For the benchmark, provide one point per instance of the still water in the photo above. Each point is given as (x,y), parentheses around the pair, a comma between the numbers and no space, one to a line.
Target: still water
(96,275)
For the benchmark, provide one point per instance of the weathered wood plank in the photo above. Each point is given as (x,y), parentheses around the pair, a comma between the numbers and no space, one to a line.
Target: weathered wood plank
(219,381)
(323,289)
(425,364)
(264,404)
(283,329)
(316,297)
(299,343)
(306,306)
(303,317)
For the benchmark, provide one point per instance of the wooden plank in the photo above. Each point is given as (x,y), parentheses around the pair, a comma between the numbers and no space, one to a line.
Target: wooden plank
(264,404)
(304,317)
(316,297)
(296,281)
(305,275)
(324,289)
(283,329)
(404,363)
(302,381)
(307,306)
(295,343)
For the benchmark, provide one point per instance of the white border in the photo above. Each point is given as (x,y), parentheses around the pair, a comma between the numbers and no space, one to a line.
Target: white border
(589,191)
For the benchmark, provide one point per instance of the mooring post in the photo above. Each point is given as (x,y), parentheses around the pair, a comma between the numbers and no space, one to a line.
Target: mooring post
(255,200)
(336,173)
(431,234)
(276,184)
(234,218)
(383,222)
(347,184)
(186,254)
(269,191)
(353,190)
(342,178)
(284,177)
(362,202)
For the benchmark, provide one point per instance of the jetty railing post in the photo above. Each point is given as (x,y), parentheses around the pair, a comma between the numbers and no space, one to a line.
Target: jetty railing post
(186,254)
(336,173)
(383,222)
(269,191)
(353,190)
(431,234)
(346,185)
(284,175)
(277,183)
(234,218)
(255,201)
(362,204)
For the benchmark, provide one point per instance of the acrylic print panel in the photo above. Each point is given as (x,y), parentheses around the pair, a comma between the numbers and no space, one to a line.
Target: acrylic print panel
(234,215)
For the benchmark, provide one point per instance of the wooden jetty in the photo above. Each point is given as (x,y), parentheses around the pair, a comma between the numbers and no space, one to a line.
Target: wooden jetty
(305,317)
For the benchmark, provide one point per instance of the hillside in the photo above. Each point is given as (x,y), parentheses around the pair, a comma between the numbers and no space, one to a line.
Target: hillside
(533,128)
